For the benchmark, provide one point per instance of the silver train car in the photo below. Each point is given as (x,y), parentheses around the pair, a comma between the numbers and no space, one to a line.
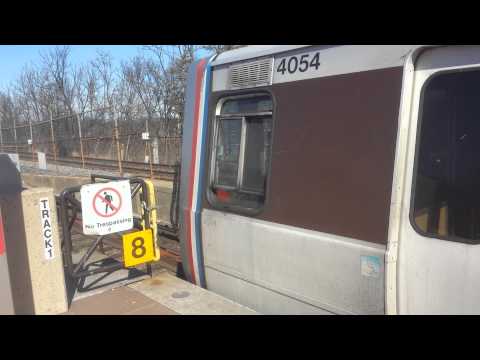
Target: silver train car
(334,179)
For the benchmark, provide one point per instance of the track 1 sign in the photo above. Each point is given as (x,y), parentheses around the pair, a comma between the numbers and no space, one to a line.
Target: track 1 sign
(106,207)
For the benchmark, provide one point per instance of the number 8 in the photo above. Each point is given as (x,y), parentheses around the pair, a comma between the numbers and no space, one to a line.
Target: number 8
(137,246)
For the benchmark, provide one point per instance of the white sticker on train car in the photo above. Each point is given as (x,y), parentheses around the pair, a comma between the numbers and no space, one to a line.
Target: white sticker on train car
(370,266)
(47,234)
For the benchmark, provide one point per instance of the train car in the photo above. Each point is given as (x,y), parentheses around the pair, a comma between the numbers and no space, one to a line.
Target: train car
(334,179)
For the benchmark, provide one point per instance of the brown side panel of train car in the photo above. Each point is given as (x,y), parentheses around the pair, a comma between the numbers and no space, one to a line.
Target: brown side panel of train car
(333,153)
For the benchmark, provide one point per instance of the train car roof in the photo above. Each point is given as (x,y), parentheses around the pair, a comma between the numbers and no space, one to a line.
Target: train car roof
(252,51)
(384,54)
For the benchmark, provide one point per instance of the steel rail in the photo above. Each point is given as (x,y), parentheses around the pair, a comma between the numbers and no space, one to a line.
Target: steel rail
(161,171)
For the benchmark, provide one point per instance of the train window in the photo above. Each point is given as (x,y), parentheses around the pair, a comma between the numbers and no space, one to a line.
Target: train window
(228,152)
(247,105)
(242,152)
(446,197)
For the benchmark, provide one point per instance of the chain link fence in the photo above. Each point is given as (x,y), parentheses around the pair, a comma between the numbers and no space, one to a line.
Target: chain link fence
(81,138)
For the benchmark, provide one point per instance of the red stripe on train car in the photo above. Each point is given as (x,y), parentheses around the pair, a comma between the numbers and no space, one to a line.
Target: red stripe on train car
(2,237)
(198,89)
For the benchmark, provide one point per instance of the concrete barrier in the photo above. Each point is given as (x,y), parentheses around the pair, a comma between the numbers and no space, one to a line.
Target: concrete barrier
(34,252)
(57,183)
(33,246)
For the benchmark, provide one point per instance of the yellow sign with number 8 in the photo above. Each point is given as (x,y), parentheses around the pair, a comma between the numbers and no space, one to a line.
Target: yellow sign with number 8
(138,248)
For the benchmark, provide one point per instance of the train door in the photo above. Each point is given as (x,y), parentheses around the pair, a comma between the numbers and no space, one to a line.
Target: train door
(439,247)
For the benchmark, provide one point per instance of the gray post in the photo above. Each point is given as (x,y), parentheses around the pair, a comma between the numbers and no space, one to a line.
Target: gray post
(15,134)
(31,138)
(53,141)
(156,159)
(1,134)
(80,137)
(117,142)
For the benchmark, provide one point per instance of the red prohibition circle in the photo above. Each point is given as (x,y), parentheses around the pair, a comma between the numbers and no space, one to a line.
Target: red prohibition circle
(99,196)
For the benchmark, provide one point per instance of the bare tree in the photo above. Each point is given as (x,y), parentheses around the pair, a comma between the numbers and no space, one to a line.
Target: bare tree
(56,65)
(169,70)
(218,49)
(139,78)
(146,92)
(60,74)
(8,114)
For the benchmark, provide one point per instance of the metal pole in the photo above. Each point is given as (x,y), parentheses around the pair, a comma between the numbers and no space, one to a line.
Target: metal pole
(119,157)
(54,146)
(150,157)
(125,153)
(15,134)
(149,149)
(81,142)
(31,139)
(1,135)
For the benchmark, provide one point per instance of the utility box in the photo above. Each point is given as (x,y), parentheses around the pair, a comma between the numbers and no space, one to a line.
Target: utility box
(32,244)
(156,157)
(15,159)
(42,161)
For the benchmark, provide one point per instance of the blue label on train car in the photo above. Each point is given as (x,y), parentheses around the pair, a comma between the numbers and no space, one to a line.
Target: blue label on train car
(370,266)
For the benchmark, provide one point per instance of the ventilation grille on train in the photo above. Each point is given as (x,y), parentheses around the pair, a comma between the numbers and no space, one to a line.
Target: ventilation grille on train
(254,73)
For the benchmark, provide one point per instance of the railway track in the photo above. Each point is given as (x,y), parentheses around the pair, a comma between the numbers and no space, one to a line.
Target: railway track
(159,171)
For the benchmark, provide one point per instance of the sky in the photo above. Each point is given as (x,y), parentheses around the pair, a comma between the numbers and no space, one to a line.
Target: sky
(14,57)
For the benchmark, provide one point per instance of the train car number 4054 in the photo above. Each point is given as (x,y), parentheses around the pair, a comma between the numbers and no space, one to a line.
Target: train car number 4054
(298,63)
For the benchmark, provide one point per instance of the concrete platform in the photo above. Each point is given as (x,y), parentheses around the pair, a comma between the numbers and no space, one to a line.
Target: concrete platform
(118,301)
(164,294)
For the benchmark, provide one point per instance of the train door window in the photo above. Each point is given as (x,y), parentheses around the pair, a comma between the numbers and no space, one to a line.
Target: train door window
(446,196)
(228,152)
(241,152)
